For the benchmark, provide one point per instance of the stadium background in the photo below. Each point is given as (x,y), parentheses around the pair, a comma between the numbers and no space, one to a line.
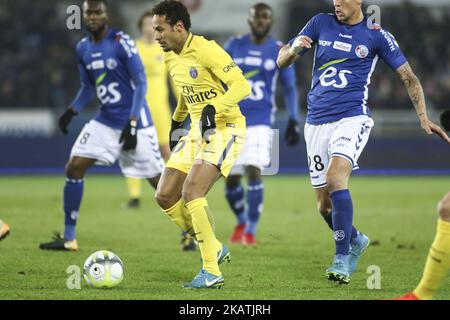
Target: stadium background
(40,78)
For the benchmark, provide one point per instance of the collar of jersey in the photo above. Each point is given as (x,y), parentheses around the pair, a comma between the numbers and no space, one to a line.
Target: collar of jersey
(108,32)
(187,43)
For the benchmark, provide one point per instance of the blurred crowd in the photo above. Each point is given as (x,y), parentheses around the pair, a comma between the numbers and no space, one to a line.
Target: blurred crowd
(37,59)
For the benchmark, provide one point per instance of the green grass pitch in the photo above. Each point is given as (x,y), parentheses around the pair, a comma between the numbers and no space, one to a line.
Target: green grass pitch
(295,245)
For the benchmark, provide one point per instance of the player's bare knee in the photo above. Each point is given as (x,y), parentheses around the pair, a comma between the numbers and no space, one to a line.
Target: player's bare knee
(253,174)
(444,208)
(75,170)
(336,181)
(233,181)
(165,199)
(192,191)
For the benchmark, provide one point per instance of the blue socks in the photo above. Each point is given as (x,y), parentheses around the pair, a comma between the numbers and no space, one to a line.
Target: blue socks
(353,238)
(255,205)
(235,197)
(73,193)
(342,217)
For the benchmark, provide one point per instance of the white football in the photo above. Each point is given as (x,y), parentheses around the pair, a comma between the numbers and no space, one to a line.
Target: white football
(103,269)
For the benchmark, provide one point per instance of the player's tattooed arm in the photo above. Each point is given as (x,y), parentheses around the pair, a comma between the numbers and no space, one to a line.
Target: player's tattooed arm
(285,59)
(415,92)
(289,53)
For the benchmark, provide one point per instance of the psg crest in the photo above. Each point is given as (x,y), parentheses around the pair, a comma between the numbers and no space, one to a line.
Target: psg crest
(193,73)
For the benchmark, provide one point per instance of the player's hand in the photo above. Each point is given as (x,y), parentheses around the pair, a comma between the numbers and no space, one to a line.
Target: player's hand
(431,128)
(301,42)
(292,134)
(176,133)
(445,120)
(129,136)
(208,122)
(65,119)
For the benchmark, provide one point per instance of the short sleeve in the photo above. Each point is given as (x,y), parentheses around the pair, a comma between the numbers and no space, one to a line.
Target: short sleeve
(388,49)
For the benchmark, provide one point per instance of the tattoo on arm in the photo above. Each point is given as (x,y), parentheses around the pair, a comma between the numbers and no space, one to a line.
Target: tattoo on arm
(414,88)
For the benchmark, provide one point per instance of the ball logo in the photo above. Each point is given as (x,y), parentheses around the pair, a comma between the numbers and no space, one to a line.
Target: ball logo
(193,73)
(362,51)
(339,235)
(111,64)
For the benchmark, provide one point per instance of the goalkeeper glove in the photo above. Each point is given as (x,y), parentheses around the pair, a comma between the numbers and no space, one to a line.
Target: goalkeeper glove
(445,120)
(65,119)
(176,133)
(208,122)
(292,134)
(129,136)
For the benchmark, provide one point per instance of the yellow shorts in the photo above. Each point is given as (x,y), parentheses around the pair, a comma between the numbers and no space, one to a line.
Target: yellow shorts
(222,150)
(161,120)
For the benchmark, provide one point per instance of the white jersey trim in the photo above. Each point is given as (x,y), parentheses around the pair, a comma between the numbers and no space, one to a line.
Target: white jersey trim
(369,79)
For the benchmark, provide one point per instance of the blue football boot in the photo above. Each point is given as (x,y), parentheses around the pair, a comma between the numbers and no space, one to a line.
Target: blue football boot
(339,270)
(362,242)
(205,280)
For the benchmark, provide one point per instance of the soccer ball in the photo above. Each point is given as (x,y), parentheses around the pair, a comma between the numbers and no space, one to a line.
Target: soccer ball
(103,269)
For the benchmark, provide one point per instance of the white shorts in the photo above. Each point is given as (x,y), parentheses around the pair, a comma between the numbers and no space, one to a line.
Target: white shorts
(256,151)
(100,142)
(345,138)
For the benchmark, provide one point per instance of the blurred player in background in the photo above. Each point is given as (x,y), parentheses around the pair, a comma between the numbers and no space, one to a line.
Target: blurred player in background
(4,230)
(157,96)
(256,55)
(199,68)
(112,70)
(347,48)
(438,261)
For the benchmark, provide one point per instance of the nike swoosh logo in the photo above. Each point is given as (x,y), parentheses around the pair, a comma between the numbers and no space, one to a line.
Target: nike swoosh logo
(208,123)
(210,283)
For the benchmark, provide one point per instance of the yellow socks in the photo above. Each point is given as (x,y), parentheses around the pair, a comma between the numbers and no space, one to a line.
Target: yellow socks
(438,262)
(204,232)
(179,214)
(134,187)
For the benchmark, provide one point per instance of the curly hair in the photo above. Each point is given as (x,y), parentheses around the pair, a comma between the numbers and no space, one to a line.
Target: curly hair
(174,11)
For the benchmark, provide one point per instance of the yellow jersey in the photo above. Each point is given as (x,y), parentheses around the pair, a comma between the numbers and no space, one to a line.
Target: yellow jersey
(157,97)
(204,73)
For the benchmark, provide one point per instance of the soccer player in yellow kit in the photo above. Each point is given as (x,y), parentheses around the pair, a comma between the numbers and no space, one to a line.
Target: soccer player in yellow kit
(157,97)
(200,70)
(438,260)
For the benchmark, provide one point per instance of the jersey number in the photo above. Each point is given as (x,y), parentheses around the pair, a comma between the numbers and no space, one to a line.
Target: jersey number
(109,94)
(257,90)
(330,73)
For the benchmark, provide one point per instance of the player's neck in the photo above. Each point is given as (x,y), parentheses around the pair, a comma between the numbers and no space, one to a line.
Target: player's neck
(259,40)
(355,19)
(182,43)
(98,36)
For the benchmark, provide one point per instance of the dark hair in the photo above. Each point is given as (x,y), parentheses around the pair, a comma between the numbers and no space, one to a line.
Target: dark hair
(174,11)
(146,14)
(105,2)
(262,5)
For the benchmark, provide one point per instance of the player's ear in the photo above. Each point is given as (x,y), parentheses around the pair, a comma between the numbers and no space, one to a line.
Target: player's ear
(179,26)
